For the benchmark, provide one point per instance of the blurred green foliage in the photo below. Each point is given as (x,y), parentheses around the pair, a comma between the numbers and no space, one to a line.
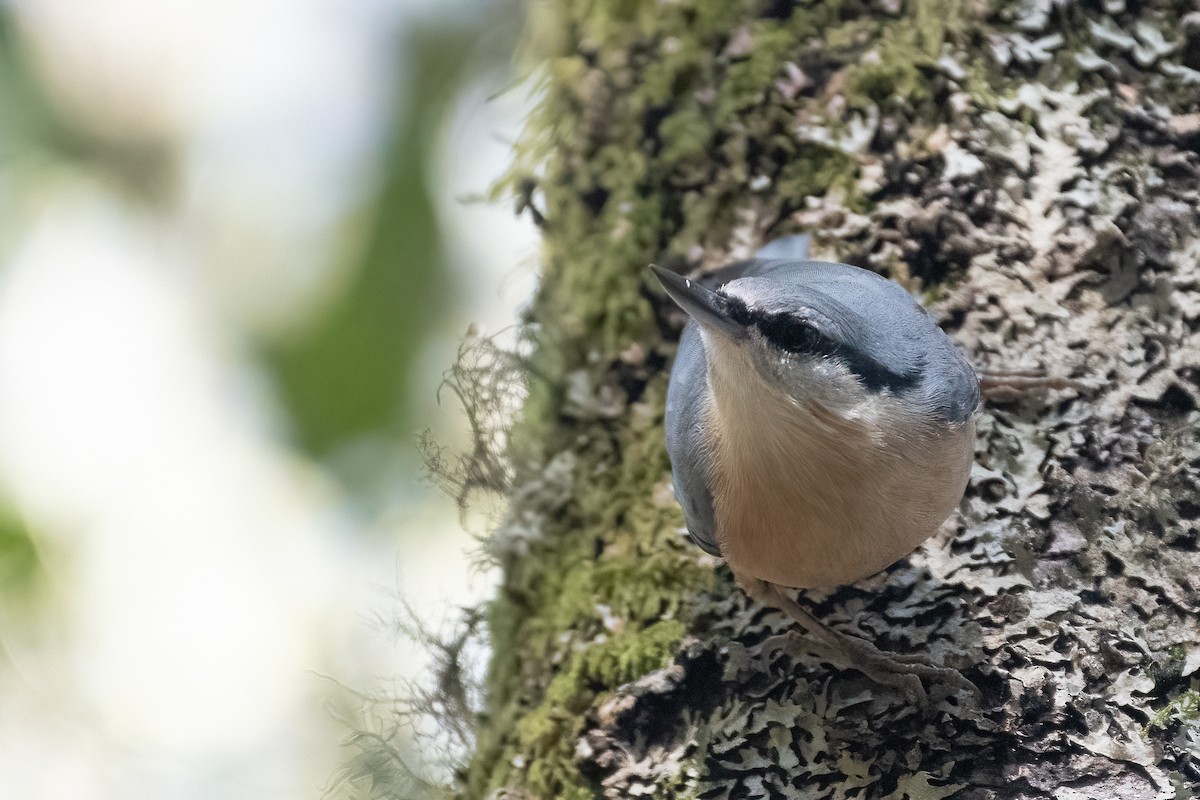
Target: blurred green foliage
(26,121)
(345,375)
(19,561)
(25,118)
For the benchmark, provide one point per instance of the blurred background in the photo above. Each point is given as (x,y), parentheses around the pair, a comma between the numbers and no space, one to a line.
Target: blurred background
(240,242)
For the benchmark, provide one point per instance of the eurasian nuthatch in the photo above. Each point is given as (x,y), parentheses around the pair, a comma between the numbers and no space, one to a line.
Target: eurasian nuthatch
(819,423)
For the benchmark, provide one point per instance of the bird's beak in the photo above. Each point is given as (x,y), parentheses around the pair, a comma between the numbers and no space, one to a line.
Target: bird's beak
(701,303)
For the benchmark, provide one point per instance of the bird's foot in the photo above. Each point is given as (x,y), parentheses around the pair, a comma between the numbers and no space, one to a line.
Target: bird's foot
(902,670)
(999,385)
(905,671)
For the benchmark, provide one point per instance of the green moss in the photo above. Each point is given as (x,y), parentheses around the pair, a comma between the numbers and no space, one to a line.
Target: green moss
(685,133)
(984,83)
(1168,670)
(934,21)
(1184,708)
(908,47)
(613,555)
(601,309)
(748,80)
(548,733)
(816,169)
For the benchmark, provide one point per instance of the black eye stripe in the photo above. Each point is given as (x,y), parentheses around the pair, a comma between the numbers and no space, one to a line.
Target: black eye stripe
(738,311)
(785,331)
(795,335)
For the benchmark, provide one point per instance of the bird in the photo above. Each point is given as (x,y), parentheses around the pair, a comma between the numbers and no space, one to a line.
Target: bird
(820,426)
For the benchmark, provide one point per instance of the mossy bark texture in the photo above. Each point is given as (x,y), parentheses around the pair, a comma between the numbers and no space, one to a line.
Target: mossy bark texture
(1031,171)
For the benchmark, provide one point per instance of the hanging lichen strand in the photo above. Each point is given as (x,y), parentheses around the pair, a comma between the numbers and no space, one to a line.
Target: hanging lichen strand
(1031,168)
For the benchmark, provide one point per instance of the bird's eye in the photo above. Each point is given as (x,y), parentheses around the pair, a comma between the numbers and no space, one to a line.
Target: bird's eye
(791,334)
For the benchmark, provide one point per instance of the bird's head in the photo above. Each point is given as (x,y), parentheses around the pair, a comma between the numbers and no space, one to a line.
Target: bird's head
(832,334)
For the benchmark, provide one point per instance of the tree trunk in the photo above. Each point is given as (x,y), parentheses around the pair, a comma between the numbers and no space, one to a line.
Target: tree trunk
(1030,170)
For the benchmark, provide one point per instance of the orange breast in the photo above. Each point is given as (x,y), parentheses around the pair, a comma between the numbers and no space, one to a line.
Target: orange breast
(806,497)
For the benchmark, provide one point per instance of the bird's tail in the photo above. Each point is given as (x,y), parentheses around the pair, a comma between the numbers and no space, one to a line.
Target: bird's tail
(787,248)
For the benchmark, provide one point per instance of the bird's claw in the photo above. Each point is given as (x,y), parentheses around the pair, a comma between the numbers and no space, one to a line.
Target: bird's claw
(904,671)
(1008,385)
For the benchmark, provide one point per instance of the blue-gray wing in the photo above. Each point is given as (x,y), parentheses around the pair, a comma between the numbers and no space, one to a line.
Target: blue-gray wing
(785,248)
(685,445)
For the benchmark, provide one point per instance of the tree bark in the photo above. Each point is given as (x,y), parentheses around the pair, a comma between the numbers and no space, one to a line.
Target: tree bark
(1028,169)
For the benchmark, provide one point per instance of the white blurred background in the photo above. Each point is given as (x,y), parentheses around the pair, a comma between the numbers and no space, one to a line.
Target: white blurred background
(235,258)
